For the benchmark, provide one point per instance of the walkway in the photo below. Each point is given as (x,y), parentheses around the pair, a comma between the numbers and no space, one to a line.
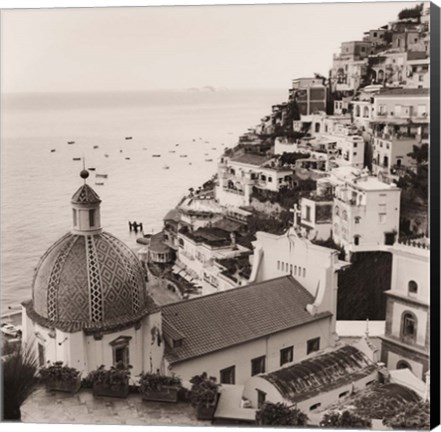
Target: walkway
(84,408)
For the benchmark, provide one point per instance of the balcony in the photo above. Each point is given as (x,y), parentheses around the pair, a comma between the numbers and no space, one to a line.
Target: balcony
(234,191)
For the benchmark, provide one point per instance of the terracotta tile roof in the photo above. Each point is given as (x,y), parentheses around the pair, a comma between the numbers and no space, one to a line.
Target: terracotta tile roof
(172,215)
(85,195)
(404,92)
(213,322)
(321,373)
(251,159)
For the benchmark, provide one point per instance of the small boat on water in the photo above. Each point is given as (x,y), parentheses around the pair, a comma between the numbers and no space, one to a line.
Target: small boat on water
(144,148)
(128,138)
(53,151)
(91,169)
(102,175)
(106,155)
(194,140)
(213,148)
(183,156)
(76,159)
(172,151)
(205,154)
(189,163)
(166,167)
(176,145)
(95,146)
(120,151)
(71,142)
(208,160)
(99,183)
(156,155)
(127,158)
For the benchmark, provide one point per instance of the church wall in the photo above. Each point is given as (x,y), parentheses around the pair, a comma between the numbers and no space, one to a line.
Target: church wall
(240,356)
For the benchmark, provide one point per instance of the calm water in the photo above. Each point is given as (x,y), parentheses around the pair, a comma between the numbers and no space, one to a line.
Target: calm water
(37,184)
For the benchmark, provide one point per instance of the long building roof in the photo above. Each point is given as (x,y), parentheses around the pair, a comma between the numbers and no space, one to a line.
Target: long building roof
(221,320)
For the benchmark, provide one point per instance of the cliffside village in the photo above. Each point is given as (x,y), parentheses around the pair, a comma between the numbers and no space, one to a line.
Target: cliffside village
(256,308)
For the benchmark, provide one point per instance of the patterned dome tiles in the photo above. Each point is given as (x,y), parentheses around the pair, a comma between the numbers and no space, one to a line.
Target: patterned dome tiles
(89,282)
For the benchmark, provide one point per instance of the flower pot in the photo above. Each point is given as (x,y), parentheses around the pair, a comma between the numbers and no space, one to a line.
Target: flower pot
(111,390)
(165,394)
(64,386)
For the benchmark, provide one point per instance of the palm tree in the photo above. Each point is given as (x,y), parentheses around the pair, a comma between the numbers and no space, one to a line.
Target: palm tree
(19,371)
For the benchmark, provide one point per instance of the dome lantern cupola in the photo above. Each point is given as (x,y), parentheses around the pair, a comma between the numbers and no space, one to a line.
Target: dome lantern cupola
(86,209)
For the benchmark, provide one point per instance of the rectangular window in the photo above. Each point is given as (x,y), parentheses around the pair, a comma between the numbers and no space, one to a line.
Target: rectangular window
(261,397)
(381,217)
(304,272)
(41,355)
(91,218)
(228,375)
(74,217)
(121,354)
(258,365)
(308,213)
(278,265)
(286,355)
(312,345)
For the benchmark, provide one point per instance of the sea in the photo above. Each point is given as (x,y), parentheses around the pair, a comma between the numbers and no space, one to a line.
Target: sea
(188,129)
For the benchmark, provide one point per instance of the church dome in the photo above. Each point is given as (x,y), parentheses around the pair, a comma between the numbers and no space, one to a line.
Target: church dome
(88,280)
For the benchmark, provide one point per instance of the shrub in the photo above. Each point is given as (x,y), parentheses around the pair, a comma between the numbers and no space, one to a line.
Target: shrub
(151,382)
(345,419)
(410,415)
(19,378)
(116,375)
(279,414)
(204,390)
(58,372)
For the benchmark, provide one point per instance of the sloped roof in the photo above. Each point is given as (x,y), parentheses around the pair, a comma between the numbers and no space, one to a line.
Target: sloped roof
(157,244)
(404,92)
(226,224)
(320,373)
(173,215)
(251,159)
(85,195)
(213,322)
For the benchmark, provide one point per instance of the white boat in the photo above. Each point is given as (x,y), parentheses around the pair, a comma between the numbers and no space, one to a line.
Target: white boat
(166,167)
(102,175)
(10,330)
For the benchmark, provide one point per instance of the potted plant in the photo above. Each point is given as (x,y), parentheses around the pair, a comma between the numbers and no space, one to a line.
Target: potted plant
(204,396)
(60,378)
(161,388)
(113,382)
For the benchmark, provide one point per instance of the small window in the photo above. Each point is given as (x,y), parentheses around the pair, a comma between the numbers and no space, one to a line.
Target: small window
(41,355)
(270,179)
(261,397)
(413,287)
(283,266)
(295,270)
(290,269)
(402,364)
(74,212)
(91,218)
(315,406)
(258,365)
(286,355)
(355,145)
(278,265)
(227,376)
(381,217)
(304,272)
(357,219)
(312,345)
(408,327)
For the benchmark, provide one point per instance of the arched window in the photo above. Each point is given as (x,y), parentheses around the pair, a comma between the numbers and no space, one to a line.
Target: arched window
(366,112)
(304,272)
(357,111)
(408,327)
(317,127)
(402,364)
(337,211)
(283,266)
(413,287)
(278,265)
(290,268)
(295,270)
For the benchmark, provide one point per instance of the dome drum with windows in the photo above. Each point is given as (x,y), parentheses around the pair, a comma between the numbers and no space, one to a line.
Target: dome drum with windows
(88,279)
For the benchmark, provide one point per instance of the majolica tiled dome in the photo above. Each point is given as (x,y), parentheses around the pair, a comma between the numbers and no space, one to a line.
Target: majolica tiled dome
(88,279)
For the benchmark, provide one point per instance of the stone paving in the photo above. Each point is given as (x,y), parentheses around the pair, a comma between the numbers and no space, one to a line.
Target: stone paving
(83,408)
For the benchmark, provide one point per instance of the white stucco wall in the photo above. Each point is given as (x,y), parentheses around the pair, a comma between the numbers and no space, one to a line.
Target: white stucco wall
(240,356)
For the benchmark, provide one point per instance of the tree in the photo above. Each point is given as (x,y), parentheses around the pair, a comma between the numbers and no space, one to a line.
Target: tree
(345,419)
(280,414)
(19,379)
(410,415)
(411,13)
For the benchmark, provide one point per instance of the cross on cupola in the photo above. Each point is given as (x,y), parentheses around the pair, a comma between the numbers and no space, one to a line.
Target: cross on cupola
(86,209)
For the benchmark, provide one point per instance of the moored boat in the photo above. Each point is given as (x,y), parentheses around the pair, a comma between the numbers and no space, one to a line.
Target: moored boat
(101,175)
(76,159)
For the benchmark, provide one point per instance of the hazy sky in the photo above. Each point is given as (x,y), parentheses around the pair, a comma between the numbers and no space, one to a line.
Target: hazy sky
(262,46)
